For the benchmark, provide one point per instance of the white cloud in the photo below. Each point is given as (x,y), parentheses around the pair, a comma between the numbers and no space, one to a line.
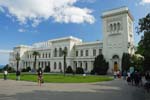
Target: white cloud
(36,11)
(144,2)
(21,30)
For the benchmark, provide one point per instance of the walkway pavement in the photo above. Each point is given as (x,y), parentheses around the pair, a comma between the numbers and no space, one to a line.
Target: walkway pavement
(113,90)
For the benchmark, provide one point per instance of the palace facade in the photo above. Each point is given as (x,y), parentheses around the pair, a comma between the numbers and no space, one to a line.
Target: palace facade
(118,38)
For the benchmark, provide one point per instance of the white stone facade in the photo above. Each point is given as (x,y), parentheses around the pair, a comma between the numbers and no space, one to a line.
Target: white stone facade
(117,39)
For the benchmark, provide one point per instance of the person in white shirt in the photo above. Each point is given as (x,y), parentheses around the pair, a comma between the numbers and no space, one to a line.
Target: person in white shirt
(5,74)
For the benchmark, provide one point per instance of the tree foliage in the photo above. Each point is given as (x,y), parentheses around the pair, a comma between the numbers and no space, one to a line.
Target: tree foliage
(35,54)
(126,61)
(47,69)
(9,68)
(64,52)
(69,69)
(100,65)
(144,44)
(79,70)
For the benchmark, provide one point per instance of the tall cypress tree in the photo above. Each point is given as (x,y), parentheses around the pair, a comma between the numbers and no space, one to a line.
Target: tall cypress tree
(126,62)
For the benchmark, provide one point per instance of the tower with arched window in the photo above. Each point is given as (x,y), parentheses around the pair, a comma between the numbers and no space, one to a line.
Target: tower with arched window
(117,35)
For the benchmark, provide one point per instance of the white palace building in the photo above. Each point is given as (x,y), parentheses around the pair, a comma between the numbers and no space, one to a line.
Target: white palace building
(118,38)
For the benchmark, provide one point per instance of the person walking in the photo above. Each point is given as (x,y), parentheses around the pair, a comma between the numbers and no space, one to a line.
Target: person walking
(132,77)
(5,74)
(40,76)
(129,77)
(147,83)
(136,78)
(115,74)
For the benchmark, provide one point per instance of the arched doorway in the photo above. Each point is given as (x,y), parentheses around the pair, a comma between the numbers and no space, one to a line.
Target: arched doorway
(115,59)
(115,66)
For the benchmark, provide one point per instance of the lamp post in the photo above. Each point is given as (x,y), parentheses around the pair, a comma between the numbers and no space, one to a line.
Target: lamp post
(17,59)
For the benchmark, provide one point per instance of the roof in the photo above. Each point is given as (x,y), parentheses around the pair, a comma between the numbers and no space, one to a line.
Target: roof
(116,11)
(65,38)
(89,43)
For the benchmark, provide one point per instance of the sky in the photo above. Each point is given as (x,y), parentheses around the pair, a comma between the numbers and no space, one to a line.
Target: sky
(30,21)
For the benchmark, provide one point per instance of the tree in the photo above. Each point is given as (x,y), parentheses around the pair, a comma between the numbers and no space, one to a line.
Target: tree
(137,60)
(144,44)
(64,52)
(35,54)
(126,61)
(100,65)
(69,69)
(17,59)
(47,69)
(8,68)
(79,70)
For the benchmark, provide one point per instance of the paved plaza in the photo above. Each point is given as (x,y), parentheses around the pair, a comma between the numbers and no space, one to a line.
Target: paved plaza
(112,90)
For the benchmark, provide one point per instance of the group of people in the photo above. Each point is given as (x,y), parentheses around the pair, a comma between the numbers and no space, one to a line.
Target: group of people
(117,74)
(18,73)
(135,78)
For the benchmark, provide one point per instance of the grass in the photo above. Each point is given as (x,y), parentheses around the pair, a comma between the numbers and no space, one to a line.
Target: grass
(59,78)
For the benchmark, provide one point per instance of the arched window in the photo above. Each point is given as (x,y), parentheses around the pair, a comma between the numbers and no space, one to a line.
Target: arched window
(55,52)
(49,64)
(115,27)
(42,64)
(43,55)
(94,52)
(55,65)
(118,26)
(81,64)
(81,53)
(60,52)
(86,66)
(46,55)
(111,27)
(60,65)
(87,53)
(49,55)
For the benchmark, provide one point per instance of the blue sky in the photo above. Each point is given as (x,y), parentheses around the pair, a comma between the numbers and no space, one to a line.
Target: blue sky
(30,21)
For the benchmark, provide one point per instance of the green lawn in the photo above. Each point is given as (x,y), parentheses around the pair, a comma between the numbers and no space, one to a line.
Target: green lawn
(59,78)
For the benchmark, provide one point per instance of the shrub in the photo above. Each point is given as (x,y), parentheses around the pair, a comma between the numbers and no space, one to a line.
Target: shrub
(47,69)
(79,70)
(28,69)
(23,70)
(92,72)
(69,69)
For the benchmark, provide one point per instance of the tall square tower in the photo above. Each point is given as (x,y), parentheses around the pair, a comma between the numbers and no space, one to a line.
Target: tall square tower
(118,37)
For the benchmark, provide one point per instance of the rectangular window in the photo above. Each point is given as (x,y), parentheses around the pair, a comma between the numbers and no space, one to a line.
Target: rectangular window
(87,53)
(100,51)
(94,52)
(76,53)
(49,55)
(81,53)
